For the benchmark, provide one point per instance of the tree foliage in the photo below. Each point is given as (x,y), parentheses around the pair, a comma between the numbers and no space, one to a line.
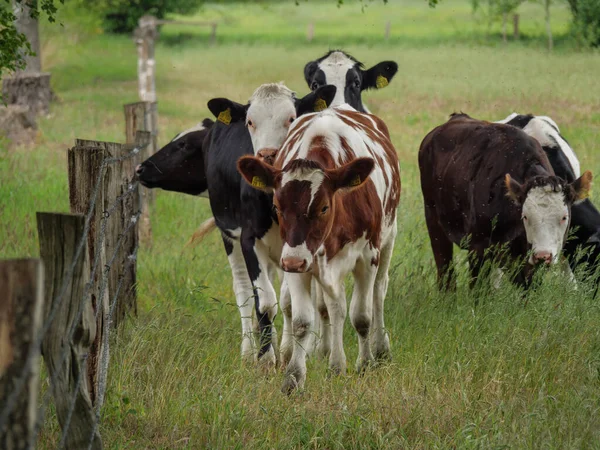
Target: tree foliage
(586,19)
(13,45)
(121,16)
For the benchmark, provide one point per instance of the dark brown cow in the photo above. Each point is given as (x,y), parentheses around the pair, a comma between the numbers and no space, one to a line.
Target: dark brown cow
(487,185)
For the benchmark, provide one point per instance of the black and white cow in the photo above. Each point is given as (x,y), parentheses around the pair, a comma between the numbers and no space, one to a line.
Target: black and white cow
(179,165)
(341,70)
(585,218)
(245,215)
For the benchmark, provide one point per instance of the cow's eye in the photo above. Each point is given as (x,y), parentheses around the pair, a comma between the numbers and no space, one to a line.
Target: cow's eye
(314,86)
(250,124)
(564,219)
(357,82)
(291,119)
(525,218)
(324,209)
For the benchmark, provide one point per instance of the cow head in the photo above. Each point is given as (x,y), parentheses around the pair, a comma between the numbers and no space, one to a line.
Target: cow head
(545,203)
(347,75)
(304,195)
(270,112)
(179,165)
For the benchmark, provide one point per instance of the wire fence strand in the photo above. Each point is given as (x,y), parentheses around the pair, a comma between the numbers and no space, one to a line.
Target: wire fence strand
(35,346)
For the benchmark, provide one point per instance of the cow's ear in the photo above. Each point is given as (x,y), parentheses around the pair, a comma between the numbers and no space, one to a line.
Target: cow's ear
(316,101)
(379,76)
(309,72)
(351,175)
(514,190)
(581,186)
(258,174)
(227,111)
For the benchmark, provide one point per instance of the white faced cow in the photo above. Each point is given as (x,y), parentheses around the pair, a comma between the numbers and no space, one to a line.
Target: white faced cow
(336,185)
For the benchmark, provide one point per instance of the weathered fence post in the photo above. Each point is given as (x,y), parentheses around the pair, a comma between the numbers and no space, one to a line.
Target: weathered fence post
(388,25)
(310,32)
(145,35)
(213,33)
(516,26)
(21,306)
(73,328)
(142,116)
(120,237)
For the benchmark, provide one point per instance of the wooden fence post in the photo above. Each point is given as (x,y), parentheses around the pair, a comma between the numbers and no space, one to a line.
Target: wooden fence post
(21,306)
(213,33)
(85,165)
(142,116)
(516,26)
(388,25)
(145,35)
(310,32)
(59,236)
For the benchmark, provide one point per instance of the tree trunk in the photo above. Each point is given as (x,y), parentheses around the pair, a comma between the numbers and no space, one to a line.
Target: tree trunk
(548,27)
(504,20)
(27,25)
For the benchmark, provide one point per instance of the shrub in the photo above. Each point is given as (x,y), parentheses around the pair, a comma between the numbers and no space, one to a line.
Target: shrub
(586,19)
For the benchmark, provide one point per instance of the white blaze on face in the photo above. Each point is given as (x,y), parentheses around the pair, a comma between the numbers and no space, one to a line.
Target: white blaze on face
(546,218)
(270,114)
(314,176)
(335,67)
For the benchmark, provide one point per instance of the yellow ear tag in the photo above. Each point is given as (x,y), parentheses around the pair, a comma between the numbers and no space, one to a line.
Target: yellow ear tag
(320,105)
(225,116)
(355,181)
(381,82)
(258,182)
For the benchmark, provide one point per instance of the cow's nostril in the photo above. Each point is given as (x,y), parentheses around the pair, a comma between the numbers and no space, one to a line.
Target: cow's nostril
(543,257)
(139,169)
(296,265)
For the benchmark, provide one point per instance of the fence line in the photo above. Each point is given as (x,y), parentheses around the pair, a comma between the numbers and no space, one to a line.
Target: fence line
(107,237)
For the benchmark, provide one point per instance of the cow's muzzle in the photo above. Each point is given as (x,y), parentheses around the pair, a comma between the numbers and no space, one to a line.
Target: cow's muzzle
(294,265)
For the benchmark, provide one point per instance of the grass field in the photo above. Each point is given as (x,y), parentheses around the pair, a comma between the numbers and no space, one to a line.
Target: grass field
(512,372)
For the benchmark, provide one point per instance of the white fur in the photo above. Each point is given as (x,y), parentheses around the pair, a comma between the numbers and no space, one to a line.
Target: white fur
(542,129)
(197,127)
(271,107)
(370,281)
(335,67)
(543,211)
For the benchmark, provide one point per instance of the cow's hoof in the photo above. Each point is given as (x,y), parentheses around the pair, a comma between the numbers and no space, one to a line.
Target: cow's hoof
(336,370)
(323,351)
(362,365)
(290,384)
(267,362)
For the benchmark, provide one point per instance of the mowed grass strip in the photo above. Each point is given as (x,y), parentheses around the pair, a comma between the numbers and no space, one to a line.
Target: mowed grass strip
(514,371)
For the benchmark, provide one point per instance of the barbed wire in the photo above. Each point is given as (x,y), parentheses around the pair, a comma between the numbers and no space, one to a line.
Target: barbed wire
(35,346)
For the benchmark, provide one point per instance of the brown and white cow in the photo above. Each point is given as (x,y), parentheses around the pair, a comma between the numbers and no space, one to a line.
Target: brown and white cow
(487,185)
(336,184)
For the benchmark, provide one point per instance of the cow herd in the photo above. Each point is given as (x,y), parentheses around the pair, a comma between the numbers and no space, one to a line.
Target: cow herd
(307,189)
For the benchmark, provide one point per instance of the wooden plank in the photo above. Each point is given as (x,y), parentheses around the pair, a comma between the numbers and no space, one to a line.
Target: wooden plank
(142,116)
(116,181)
(21,305)
(59,236)
(85,165)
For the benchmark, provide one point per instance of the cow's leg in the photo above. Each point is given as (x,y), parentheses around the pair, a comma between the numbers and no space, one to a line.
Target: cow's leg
(302,321)
(324,346)
(442,250)
(380,341)
(361,309)
(335,300)
(265,299)
(287,341)
(244,297)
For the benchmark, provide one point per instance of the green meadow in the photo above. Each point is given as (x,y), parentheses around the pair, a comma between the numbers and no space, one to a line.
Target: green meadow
(473,369)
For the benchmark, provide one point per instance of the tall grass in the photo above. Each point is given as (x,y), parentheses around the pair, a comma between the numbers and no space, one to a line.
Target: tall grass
(514,371)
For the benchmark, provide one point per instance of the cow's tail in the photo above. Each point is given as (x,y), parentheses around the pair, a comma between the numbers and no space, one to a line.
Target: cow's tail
(203,230)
